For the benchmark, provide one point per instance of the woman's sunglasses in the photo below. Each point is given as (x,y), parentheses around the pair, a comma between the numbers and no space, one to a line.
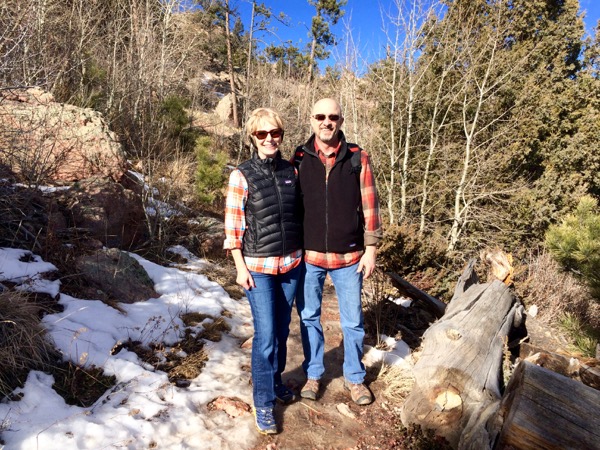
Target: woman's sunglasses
(321,117)
(262,134)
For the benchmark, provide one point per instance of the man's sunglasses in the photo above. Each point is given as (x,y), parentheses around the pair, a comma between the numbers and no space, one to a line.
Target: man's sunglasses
(262,134)
(321,117)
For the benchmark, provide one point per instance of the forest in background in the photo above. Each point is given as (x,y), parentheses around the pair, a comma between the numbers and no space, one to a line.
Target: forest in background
(482,120)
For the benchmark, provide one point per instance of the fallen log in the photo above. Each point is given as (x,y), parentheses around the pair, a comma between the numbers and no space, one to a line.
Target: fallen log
(542,409)
(555,362)
(590,376)
(458,376)
(431,304)
(563,365)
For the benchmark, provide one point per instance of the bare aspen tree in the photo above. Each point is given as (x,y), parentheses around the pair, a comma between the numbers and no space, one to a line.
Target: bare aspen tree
(443,102)
(478,74)
(412,22)
(486,69)
(169,9)
(403,72)
(390,143)
(13,32)
(349,87)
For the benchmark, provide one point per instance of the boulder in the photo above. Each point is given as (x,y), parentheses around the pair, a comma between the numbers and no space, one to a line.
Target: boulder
(224,109)
(116,275)
(44,141)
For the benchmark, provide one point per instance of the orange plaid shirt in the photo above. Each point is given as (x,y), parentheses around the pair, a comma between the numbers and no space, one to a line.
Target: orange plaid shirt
(370,206)
(235,226)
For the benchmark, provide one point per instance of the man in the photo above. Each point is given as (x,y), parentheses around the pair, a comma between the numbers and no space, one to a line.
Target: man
(341,229)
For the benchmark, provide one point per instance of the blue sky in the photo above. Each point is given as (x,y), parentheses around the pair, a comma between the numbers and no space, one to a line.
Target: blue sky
(363,17)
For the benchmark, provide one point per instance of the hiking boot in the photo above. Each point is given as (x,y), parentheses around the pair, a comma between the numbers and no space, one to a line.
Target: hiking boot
(283,394)
(310,389)
(265,422)
(360,394)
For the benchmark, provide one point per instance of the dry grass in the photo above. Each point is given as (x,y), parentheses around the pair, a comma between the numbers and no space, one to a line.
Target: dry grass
(398,382)
(555,292)
(81,386)
(214,330)
(23,343)
(170,177)
(562,300)
(378,311)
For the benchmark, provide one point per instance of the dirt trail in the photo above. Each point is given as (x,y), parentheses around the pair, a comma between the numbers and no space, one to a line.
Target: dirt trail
(306,424)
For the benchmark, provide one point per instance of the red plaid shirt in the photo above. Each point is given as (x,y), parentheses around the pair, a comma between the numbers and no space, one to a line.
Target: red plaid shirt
(370,205)
(235,226)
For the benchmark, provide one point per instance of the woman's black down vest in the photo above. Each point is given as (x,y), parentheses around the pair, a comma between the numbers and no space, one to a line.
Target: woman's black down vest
(273,208)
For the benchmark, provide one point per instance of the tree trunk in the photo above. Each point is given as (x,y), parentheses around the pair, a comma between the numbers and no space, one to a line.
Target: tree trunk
(311,61)
(458,375)
(545,410)
(236,121)
(246,99)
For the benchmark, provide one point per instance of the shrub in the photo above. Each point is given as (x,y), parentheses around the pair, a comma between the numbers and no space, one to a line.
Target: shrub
(404,251)
(575,243)
(176,119)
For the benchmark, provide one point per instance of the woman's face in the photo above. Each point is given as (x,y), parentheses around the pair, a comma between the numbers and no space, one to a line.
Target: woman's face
(267,138)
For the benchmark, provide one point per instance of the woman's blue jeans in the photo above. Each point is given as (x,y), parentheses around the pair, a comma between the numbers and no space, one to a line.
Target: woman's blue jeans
(348,286)
(271,303)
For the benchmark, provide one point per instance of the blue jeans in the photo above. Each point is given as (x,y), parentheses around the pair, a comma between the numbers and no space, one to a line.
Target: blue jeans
(348,286)
(271,304)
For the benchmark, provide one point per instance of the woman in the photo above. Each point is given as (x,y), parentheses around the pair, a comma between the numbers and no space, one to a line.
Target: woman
(264,234)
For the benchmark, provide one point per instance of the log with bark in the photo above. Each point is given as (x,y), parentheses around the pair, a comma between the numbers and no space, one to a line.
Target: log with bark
(458,376)
(564,365)
(542,409)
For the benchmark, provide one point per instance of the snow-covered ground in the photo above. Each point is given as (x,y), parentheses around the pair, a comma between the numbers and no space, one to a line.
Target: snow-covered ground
(143,410)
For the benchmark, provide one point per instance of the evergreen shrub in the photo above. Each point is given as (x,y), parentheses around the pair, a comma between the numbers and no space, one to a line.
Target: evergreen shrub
(575,243)
(210,173)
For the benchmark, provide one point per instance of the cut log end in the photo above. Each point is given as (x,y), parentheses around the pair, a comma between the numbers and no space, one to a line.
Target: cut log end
(448,399)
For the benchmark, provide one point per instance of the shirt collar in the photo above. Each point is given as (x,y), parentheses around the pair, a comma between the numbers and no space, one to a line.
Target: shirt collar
(334,153)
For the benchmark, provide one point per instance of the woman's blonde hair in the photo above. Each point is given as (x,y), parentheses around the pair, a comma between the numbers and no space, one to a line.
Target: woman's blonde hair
(256,116)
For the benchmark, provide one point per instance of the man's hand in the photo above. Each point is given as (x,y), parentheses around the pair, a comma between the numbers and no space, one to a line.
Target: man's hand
(367,262)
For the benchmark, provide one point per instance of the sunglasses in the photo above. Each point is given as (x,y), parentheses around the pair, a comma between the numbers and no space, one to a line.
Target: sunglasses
(262,134)
(321,117)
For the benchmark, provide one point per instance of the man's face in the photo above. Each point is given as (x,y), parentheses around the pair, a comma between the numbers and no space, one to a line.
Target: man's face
(326,121)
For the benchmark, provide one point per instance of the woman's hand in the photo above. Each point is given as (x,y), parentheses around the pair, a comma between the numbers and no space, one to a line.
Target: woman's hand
(244,278)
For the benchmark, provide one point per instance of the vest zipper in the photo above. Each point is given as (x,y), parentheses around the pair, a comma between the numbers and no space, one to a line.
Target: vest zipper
(277,190)
(326,209)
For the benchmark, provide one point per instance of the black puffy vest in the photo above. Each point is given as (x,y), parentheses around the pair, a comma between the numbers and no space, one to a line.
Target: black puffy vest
(273,208)
(333,217)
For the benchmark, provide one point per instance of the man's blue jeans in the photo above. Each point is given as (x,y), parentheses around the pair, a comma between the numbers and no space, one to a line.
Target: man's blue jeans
(348,286)
(271,304)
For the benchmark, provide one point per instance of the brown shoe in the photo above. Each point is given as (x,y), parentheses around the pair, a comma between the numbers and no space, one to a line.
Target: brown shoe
(361,395)
(310,389)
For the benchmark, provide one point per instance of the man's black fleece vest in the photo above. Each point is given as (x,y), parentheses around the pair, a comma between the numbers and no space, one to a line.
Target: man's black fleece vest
(273,221)
(333,218)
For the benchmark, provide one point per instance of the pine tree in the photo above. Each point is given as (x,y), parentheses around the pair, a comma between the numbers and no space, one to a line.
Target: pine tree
(328,12)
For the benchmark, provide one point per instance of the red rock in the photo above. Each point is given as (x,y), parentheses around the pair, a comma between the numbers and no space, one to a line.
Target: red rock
(43,140)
